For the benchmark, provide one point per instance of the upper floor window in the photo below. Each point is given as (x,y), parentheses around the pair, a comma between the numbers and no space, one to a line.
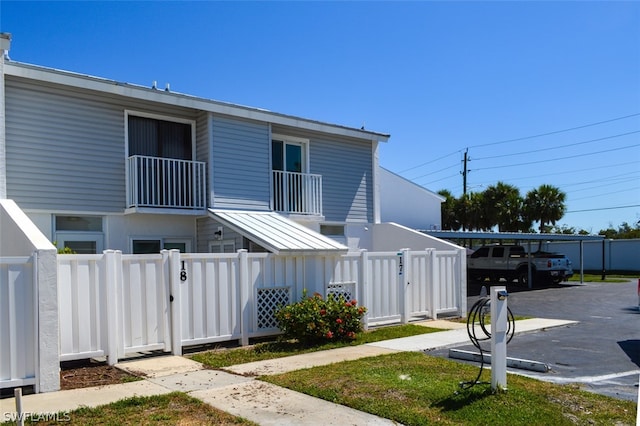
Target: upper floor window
(289,154)
(158,137)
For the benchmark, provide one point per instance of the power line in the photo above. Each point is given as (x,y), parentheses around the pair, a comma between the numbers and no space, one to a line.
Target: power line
(429,162)
(604,208)
(521,139)
(602,195)
(438,180)
(605,166)
(560,158)
(555,132)
(436,171)
(616,178)
(558,146)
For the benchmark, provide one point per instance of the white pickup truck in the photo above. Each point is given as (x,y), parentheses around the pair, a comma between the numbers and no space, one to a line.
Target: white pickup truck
(511,262)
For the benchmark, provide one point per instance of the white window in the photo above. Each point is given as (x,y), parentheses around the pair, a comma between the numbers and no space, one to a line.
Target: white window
(155,245)
(81,234)
(222,246)
(289,154)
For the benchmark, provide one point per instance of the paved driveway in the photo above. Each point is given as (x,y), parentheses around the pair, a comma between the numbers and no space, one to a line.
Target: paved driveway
(601,351)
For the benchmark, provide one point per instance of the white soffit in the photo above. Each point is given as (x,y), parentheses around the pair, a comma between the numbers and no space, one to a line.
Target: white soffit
(276,233)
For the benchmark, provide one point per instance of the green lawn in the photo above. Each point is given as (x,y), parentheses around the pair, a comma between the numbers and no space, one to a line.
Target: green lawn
(416,389)
(175,408)
(613,278)
(408,387)
(222,357)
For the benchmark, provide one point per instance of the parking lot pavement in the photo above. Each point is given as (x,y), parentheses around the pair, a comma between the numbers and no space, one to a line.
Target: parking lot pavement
(601,352)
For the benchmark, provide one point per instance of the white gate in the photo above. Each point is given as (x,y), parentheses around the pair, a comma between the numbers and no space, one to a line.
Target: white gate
(143,304)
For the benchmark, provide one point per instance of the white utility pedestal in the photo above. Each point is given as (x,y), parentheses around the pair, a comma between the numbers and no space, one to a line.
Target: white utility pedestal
(499,326)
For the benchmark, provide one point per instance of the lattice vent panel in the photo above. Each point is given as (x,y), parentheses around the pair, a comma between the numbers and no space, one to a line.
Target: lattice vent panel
(268,300)
(346,290)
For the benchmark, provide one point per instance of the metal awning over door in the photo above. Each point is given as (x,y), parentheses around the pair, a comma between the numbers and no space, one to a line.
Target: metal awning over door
(277,233)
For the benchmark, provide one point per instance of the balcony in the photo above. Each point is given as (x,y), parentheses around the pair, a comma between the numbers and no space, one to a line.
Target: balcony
(167,183)
(297,193)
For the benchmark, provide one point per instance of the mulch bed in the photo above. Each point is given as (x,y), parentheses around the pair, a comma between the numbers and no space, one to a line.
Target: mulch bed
(87,373)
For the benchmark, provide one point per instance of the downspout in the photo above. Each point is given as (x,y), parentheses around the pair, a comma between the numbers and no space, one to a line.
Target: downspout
(5,44)
(375,181)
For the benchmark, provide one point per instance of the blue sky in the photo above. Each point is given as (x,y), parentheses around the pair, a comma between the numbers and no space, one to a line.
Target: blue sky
(440,77)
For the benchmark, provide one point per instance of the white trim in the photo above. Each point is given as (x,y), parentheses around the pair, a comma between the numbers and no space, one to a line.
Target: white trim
(3,132)
(285,138)
(153,116)
(375,173)
(61,237)
(67,78)
(291,140)
(221,244)
(269,171)
(188,242)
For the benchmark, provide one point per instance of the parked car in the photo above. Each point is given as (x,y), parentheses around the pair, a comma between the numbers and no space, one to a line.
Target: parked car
(511,262)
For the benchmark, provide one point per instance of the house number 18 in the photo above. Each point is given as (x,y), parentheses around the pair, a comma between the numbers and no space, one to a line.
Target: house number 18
(183,273)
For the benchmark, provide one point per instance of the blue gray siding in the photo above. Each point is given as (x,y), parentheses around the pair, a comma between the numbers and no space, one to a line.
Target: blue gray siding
(241,164)
(66,147)
(346,166)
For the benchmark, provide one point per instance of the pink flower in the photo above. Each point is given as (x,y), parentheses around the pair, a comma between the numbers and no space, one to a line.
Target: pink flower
(339,321)
(323,311)
(329,335)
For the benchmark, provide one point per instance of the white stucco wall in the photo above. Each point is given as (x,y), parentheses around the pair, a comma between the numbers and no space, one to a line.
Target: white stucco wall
(19,236)
(408,204)
(119,230)
(391,236)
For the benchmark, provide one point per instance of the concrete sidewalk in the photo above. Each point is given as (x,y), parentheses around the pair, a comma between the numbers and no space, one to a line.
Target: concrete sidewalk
(235,391)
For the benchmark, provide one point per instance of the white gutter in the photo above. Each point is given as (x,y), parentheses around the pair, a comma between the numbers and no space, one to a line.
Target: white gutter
(5,44)
(82,81)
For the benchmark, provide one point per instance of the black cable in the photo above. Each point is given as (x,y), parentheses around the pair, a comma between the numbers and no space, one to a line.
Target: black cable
(479,311)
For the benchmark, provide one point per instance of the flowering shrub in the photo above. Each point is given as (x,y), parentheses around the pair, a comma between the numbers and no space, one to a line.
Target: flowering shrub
(314,319)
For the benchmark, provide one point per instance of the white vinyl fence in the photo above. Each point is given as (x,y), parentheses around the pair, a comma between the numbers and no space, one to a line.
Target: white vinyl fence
(114,304)
(18,336)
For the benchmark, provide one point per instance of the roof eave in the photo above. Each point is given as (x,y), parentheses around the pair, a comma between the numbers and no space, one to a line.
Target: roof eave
(51,75)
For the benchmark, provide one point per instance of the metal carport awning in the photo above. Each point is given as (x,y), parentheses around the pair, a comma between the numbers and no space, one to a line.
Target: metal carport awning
(520,236)
(277,233)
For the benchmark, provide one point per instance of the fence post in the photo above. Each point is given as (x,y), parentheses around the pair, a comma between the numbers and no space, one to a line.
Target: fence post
(462,282)
(246,300)
(434,284)
(111,264)
(175,307)
(404,283)
(48,349)
(118,275)
(365,286)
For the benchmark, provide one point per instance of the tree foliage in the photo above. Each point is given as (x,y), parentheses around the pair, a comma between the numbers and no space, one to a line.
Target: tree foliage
(624,231)
(502,206)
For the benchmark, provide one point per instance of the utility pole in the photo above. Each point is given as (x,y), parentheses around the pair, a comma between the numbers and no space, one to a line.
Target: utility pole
(464,189)
(464,172)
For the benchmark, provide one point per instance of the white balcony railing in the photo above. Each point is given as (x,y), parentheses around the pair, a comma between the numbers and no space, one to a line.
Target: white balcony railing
(166,183)
(298,193)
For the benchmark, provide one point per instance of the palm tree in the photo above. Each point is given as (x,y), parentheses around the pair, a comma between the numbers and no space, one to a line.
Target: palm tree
(546,205)
(504,207)
(449,211)
(477,212)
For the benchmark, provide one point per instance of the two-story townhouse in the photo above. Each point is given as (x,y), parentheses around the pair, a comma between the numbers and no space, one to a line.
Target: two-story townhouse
(99,164)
